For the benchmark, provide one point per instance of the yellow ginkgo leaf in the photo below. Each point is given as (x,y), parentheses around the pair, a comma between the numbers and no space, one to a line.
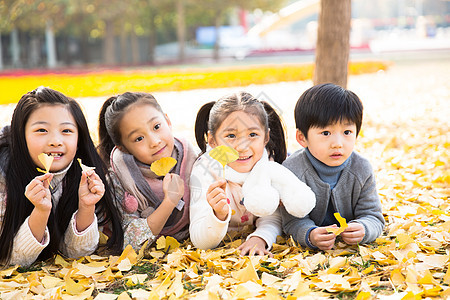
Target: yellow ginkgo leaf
(167,243)
(342,222)
(46,160)
(224,154)
(163,165)
(84,167)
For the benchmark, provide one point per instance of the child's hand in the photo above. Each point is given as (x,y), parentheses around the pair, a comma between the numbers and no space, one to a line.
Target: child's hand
(38,192)
(254,245)
(173,187)
(321,238)
(91,189)
(217,198)
(354,233)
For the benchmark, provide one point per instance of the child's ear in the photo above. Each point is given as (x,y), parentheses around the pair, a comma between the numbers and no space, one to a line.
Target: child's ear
(122,148)
(168,120)
(211,141)
(266,140)
(301,139)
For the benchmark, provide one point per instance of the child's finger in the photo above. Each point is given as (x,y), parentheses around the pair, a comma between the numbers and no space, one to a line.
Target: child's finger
(221,183)
(83,179)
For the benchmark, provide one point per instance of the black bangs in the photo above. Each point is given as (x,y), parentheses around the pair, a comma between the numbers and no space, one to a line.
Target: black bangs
(327,104)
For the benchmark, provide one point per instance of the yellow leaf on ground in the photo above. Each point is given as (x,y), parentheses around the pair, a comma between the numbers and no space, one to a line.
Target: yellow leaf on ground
(427,279)
(166,242)
(125,265)
(72,287)
(50,282)
(403,240)
(61,261)
(397,277)
(129,253)
(363,296)
(447,277)
(163,165)
(247,273)
(124,296)
(302,289)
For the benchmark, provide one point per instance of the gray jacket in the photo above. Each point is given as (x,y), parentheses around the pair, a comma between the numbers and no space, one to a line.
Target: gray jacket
(354,197)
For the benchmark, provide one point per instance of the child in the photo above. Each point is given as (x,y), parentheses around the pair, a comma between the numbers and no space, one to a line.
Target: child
(218,204)
(328,119)
(42,214)
(135,132)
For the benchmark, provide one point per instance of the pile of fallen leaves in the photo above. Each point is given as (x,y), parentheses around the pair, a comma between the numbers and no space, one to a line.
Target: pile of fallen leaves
(409,153)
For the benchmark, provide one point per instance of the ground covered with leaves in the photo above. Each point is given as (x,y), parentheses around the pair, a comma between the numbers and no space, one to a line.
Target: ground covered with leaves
(406,137)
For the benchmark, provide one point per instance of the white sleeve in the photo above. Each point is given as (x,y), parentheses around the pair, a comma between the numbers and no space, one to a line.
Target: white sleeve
(26,248)
(268,228)
(206,230)
(77,244)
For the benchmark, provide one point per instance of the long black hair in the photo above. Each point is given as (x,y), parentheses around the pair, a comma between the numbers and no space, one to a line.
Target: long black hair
(211,115)
(20,170)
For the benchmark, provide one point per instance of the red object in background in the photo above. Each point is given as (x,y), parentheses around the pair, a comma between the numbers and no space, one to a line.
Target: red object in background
(243,19)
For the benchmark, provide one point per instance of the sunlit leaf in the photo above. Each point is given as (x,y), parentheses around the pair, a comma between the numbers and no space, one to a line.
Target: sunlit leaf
(342,223)
(247,273)
(166,243)
(163,165)
(224,155)
(84,167)
(46,160)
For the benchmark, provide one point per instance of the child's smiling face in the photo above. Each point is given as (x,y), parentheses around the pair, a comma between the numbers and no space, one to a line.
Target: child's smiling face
(51,129)
(146,133)
(243,132)
(331,144)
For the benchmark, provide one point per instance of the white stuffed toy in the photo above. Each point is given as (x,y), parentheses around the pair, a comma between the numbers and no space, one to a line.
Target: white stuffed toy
(271,182)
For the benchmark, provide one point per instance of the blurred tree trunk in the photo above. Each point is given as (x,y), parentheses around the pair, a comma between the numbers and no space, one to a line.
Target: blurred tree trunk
(1,53)
(152,38)
(65,56)
(333,42)
(84,48)
(123,47)
(15,48)
(134,48)
(50,45)
(181,30)
(109,56)
(217,24)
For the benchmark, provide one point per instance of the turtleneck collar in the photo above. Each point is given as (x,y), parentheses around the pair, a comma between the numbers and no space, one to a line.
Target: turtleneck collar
(328,174)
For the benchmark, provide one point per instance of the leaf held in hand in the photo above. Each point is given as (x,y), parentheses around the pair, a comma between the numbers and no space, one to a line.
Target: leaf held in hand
(84,167)
(163,165)
(342,223)
(224,154)
(46,160)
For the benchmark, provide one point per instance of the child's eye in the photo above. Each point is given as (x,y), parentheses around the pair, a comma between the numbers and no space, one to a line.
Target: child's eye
(231,136)
(41,130)
(157,126)
(347,132)
(139,138)
(253,134)
(67,131)
(326,133)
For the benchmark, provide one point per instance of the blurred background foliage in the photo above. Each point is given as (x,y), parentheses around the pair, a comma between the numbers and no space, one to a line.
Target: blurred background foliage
(61,33)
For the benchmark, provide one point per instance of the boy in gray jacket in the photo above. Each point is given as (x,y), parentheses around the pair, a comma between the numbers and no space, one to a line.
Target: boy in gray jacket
(328,119)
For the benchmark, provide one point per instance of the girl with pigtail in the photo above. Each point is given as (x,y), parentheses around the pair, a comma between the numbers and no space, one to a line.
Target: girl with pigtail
(254,183)
(135,133)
